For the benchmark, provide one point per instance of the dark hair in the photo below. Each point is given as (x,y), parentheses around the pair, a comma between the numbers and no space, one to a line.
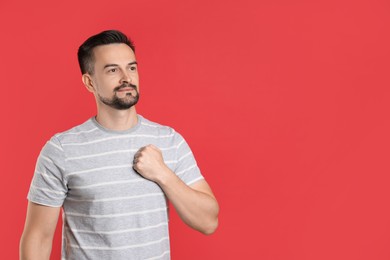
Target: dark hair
(85,52)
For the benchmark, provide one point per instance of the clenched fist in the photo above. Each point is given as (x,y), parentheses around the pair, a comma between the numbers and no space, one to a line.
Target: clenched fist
(148,162)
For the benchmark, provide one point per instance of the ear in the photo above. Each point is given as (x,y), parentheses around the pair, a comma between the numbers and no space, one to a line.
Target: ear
(88,82)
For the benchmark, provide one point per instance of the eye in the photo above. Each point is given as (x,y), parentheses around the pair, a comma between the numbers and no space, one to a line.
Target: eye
(133,68)
(112,70)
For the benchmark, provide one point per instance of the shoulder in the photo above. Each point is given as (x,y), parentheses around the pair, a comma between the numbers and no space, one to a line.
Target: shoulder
(81,131)
(151,127)
(162,132)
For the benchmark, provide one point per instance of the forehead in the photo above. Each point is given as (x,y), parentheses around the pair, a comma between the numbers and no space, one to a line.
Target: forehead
(115,53)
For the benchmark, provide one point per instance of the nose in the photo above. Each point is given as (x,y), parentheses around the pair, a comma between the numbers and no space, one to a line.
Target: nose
(125,78)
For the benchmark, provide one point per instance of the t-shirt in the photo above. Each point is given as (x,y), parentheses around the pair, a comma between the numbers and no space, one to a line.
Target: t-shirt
(109,210)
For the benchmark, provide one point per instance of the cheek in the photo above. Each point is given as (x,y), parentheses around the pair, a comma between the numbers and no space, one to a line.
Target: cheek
(106,85)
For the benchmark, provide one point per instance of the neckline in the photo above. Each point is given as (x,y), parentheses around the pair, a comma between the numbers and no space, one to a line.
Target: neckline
(110,131)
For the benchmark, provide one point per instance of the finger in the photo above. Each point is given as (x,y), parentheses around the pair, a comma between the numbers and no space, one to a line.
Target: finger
(141,149)
(138,153)
(154,147)
(136,162)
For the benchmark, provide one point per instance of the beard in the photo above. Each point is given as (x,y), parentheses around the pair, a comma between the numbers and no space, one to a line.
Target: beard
(122,103)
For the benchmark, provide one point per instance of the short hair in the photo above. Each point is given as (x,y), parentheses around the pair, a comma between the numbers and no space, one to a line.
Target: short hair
(85,53)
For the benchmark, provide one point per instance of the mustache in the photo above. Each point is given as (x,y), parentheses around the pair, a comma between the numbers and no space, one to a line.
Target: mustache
(125,85)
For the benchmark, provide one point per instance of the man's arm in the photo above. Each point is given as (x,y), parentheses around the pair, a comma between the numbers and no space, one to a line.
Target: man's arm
(37,237)
(195,204)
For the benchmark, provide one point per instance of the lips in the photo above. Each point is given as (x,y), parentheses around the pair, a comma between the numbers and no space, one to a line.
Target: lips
(125,89)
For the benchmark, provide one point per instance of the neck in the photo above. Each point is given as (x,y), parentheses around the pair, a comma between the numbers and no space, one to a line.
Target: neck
(118,120)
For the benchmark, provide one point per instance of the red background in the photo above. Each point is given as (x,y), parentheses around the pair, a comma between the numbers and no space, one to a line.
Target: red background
(284,103)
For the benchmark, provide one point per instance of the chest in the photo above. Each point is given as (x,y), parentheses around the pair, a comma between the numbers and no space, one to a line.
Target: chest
(103,170)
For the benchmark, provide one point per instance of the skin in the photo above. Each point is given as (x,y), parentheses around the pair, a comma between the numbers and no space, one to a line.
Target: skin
(115,64)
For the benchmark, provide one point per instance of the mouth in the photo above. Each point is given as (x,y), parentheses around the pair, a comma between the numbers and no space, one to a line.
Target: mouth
(125,88)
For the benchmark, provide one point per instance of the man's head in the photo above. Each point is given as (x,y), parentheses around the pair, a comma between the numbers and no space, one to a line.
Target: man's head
(85,53)
(109,67)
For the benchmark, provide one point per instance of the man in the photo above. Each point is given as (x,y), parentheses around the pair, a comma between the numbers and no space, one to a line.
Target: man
(113,174)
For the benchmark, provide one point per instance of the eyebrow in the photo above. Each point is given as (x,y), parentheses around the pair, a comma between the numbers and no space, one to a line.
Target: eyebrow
(116,65)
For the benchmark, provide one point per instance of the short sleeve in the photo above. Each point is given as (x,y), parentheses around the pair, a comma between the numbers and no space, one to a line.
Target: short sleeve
(48,186)
(186,167)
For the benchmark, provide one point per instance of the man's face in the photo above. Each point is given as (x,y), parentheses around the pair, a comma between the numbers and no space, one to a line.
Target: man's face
(115,77)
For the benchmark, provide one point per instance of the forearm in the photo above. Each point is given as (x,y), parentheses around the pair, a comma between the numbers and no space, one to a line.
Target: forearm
(197,209)
(34,247)
(195,205)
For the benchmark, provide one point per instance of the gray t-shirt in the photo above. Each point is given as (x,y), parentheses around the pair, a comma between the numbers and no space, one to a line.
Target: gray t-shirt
(109,210)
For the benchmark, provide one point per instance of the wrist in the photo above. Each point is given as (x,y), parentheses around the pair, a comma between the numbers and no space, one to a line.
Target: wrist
(165,177)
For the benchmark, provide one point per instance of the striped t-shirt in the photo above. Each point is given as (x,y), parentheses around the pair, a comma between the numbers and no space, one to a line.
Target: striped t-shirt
(109,210)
